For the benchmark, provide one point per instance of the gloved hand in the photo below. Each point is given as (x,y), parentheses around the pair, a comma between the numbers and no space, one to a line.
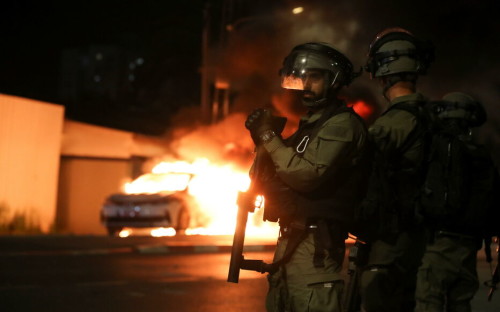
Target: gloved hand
(259,121)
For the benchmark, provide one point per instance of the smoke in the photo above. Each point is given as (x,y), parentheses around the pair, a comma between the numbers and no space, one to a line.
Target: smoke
(224,142)
(464,33)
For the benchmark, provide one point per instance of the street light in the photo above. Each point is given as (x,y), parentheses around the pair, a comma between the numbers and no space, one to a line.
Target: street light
(298,10)
(216,104)
(238,22)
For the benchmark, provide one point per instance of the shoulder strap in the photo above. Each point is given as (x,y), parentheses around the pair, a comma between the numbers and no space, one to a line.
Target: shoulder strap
(311,130)
(331,111)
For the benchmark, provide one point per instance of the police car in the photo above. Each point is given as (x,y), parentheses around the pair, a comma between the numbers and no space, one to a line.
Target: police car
(165,209)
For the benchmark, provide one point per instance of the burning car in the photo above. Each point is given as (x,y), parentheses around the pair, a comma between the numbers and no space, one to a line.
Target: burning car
(199,197)
(140,208)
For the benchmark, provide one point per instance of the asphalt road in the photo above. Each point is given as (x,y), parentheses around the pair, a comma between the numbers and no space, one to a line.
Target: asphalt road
(97,273)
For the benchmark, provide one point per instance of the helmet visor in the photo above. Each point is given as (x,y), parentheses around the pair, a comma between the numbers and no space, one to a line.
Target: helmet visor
(292,82)
(298,66)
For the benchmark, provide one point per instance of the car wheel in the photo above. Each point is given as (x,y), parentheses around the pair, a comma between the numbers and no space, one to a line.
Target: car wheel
(182,221)
(113,230)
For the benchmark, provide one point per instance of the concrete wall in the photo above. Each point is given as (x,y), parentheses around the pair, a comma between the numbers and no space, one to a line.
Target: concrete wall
(30,142)
(84,185)
(86,140)
(57,172)
(96,162)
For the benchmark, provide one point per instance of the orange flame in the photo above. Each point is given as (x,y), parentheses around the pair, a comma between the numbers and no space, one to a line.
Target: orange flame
(362,109)
(157,182)
(214,189)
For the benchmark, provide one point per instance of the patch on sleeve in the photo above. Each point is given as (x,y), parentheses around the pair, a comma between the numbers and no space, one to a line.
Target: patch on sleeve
(336,133)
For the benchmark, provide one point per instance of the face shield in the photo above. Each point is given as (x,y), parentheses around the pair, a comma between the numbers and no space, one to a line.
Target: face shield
(302,65)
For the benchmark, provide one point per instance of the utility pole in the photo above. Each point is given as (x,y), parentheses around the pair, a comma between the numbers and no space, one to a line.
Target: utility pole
(205,96)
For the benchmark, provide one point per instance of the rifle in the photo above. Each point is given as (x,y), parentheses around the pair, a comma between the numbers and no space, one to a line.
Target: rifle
(358,256)
(495,276)
(247,203)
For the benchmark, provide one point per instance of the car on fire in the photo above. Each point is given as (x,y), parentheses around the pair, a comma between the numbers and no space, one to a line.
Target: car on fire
(147,210)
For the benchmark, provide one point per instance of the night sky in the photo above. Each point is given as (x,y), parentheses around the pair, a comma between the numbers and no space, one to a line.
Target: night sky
(168,33)
(34,33)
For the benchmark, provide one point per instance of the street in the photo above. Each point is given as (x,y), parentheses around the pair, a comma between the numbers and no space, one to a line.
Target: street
(135,274)
(67,274)
(127,283)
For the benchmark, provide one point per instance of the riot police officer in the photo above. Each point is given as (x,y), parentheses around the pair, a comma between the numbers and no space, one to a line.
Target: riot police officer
(312,192)
(396,59)
(458,208)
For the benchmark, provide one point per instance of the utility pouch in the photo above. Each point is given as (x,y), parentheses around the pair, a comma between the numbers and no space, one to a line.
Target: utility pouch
(279,201)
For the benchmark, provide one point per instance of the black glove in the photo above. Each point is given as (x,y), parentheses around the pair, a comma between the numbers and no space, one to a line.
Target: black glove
(258,122)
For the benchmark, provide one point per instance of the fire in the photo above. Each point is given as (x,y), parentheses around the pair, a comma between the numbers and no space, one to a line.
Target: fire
(157,182)
(362,109)
(214,189)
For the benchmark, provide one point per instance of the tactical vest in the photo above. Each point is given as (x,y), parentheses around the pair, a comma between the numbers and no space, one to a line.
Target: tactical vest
(327,211)
(395,182)
(343,186)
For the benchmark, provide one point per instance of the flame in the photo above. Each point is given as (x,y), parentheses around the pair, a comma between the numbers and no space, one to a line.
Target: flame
(214,189)
(159,232)
(362,109)
(157,182)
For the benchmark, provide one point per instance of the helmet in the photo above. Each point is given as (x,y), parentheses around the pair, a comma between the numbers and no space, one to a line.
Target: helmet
(337,68)
(461,106)
(396,51)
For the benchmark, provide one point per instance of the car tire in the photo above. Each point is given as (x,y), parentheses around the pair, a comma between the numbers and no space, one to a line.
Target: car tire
(114,230)
(182,221)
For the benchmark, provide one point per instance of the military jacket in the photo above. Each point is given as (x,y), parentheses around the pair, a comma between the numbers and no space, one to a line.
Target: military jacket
(390,131)
(302,166)
(397,174)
